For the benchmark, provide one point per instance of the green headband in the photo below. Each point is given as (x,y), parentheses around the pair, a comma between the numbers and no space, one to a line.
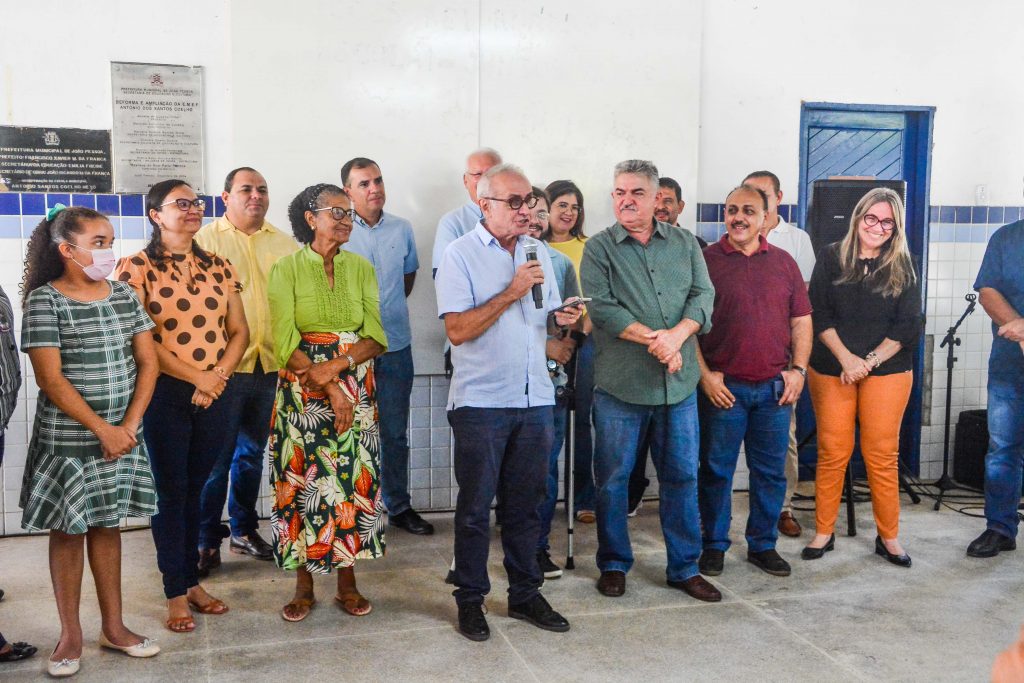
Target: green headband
(52,213)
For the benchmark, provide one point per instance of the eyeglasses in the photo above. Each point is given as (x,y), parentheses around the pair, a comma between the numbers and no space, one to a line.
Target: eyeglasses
(184,204)
(515,203)
(338,213)
(871,220)
(542,215)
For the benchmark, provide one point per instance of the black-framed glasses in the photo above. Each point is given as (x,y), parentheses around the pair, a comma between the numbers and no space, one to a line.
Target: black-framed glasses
(338,213)
(186,204)
(515,203)
(887,224)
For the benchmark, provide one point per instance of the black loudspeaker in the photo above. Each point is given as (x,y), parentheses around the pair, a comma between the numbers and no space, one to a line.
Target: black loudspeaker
(969,448)
(832,203)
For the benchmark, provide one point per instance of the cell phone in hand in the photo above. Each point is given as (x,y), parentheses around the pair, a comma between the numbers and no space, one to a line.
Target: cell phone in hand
(778,389)
(571,304)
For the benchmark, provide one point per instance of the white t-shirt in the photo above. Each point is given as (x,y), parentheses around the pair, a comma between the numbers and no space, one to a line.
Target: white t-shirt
(797,244)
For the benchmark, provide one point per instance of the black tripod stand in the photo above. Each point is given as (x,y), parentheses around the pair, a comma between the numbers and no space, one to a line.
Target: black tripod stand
(950,341)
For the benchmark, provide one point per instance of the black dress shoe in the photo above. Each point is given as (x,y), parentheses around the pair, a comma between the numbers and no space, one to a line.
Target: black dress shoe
(411,522)
(549,569)
(472,623)
(810,553)
(711,562)
(612,584)
(697,587)
(900,560)
(770,562)
(990,544)
(209,559)
(538,612)
(252,545)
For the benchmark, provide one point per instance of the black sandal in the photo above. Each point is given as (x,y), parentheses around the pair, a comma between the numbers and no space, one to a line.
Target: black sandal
(18,652)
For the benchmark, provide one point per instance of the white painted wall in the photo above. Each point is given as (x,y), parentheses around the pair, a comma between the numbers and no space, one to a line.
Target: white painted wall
(762,57)
(55,60)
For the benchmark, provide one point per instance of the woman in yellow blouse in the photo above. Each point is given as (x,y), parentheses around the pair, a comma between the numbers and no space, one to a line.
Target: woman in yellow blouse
(324,304)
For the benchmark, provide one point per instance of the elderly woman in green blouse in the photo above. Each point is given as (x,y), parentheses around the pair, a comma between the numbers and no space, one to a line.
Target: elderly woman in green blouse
(325,308)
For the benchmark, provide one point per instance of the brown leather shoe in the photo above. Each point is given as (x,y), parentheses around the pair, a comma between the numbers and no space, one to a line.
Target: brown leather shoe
(612,584)
(698,587)
(788,525)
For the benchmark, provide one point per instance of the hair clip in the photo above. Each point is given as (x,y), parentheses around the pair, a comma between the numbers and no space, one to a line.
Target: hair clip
(52,213)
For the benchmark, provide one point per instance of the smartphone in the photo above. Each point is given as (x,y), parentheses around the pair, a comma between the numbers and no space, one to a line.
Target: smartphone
(578,302)
(778,389)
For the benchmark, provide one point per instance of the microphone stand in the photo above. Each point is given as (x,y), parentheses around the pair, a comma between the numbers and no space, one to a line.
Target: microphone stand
(950,341)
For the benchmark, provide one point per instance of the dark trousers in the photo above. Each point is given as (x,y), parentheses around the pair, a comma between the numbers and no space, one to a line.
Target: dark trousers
(184,443)
(392,376)
(248,429)
(501,451)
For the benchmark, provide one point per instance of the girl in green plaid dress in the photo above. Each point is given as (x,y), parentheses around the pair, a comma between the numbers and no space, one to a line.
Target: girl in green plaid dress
(87,470)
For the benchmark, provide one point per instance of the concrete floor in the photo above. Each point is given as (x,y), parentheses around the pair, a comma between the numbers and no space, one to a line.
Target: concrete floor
(848,617)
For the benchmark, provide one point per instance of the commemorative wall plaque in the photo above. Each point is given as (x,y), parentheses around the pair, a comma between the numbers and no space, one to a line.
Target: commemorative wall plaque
(54,159)
(158,125)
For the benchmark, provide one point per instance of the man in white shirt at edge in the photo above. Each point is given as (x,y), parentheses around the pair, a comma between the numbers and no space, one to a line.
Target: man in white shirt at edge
(797,243)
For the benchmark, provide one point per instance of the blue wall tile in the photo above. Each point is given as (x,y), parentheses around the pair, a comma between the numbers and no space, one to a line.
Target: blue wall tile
(208,209)
(933,214)
(132,205)
(59,198)
(108,204)
(963,214)
(33,204)
(86,200)
(947,214)
(10,204)
(218,206)
(995,214)
(10,226)
(979,214)
(707,213)
(1011,213)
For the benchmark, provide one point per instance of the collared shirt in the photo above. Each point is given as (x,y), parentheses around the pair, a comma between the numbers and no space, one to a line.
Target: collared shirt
(252,257)
(451,227)
(756,297)
(10,362)
(565,274)
(391,248)
(657,285)
(505,367)
(1002,271)
(797,244)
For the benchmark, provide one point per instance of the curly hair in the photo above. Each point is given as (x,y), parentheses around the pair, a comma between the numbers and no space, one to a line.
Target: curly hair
(44,262)
(155,248)
(307,200)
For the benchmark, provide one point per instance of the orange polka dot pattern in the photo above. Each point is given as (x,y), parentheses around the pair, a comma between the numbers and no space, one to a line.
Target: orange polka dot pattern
(187,300)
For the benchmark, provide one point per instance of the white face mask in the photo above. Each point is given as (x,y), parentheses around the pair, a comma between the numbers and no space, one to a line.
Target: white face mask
(103,262)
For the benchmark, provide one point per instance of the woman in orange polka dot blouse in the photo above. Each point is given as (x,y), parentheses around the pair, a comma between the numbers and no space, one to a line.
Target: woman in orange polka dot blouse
(201,333)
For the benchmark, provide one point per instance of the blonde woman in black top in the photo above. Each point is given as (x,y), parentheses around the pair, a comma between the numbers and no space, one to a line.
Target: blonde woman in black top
(867,318)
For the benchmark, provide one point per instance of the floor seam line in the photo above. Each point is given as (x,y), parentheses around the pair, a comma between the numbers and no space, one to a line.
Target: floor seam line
(518,655)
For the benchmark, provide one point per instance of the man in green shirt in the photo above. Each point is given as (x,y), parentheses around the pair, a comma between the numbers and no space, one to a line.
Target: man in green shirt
(651,296)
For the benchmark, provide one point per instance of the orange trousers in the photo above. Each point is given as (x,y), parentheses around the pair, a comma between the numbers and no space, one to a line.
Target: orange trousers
(877,403)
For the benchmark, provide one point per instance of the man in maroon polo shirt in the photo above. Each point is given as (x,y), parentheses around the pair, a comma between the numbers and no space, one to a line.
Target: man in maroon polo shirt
(752,370)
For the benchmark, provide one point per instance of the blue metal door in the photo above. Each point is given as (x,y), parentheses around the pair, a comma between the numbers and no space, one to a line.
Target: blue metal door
(888,143)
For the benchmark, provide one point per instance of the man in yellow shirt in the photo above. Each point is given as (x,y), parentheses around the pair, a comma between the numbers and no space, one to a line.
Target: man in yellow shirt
(244,237)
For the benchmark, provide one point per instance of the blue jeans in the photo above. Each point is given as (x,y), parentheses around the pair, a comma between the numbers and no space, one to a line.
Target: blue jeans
(393,373)
(758,422)
(583,466)
(547,508)
(249,428)
(1005,458)
(501,451)
(184,443)
(674,437)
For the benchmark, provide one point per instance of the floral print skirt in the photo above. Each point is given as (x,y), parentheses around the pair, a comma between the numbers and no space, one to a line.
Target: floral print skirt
(328,509)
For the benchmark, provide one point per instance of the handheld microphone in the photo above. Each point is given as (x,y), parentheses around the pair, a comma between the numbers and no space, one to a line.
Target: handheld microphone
(538,292)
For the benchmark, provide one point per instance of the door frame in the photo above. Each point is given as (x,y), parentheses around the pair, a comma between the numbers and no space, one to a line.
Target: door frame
(917,174)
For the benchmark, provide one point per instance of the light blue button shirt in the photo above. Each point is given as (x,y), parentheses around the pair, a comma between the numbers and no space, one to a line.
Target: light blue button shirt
(391,248)
(505,367)
(451,227)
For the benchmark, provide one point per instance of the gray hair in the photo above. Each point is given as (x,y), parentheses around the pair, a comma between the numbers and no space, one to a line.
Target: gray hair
(484,186)
(488,152)
(639,167)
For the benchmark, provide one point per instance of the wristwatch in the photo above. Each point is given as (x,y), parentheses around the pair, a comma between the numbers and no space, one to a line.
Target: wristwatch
(802,371)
